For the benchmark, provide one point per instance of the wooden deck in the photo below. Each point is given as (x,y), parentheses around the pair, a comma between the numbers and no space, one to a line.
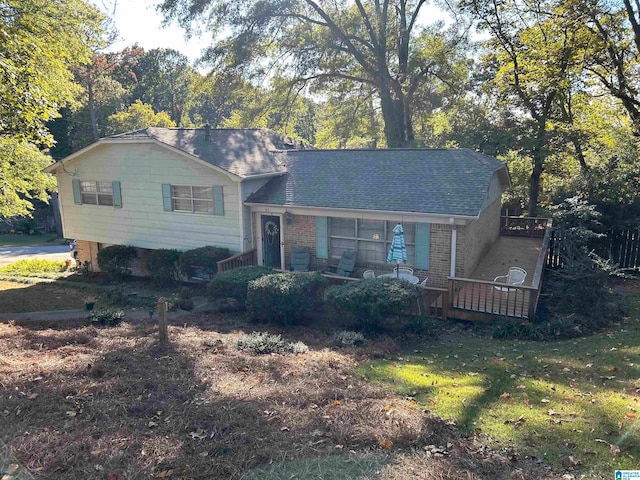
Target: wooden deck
(476,296)
(508,252)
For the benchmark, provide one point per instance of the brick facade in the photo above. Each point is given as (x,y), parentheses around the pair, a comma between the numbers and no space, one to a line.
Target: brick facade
(474,240)
(477,239)
(88,252)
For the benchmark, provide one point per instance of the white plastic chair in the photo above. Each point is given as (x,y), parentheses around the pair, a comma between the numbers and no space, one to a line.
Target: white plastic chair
(515,277)
(423,283)
(369,274)
(406,270)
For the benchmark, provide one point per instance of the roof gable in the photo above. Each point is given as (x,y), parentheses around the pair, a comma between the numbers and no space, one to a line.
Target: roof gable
(242,152)
(431,181)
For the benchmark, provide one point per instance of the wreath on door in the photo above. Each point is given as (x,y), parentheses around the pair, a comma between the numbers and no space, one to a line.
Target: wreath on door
(271,231)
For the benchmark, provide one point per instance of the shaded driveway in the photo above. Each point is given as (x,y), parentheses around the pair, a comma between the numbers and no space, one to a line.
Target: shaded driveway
(49,252)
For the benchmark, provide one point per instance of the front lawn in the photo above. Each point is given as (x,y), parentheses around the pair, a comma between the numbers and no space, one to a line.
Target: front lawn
(112,403)
(15,240)
(32,297)
(574,404)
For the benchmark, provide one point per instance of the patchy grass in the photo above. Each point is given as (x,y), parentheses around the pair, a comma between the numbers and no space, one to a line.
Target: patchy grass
(37,267)
(85,402)
(576,404)
(32,297)
(15,240)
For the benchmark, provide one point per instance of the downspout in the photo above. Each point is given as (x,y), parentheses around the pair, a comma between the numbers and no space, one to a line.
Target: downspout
(241,216)
(454,246)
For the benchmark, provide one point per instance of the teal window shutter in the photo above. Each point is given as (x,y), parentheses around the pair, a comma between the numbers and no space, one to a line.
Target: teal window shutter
(322,238)
(117,195)
(423,243)
(166,197)
(77,198)
(218,200)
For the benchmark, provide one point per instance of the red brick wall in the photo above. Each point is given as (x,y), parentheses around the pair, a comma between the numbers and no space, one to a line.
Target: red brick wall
(88,251)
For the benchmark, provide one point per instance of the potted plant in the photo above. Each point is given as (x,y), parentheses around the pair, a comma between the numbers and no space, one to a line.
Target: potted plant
(89,303)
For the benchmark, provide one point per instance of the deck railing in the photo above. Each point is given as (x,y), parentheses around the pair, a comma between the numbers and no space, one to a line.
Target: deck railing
(244,259)
(523,226)
(484,300)
(490,298)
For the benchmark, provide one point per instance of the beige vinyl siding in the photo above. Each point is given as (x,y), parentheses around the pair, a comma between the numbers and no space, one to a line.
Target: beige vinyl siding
(141,170)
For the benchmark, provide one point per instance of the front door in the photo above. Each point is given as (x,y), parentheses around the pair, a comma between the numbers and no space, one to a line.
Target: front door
(271,241)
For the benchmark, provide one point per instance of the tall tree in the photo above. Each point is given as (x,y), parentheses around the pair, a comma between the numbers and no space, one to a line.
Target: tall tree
(369,42)
(536,50)
(41,41)
(138,116)
(163,80)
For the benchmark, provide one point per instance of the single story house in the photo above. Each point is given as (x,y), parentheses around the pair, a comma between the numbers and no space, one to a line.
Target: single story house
(248,189)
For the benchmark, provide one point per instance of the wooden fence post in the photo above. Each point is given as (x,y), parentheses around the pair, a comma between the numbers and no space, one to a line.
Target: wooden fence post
(162,320)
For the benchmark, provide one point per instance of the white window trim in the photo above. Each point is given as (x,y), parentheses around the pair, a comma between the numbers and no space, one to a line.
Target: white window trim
(191,198)
(365,240)
(96,194)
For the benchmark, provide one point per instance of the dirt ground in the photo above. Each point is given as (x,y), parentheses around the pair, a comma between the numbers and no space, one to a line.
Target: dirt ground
(83,402)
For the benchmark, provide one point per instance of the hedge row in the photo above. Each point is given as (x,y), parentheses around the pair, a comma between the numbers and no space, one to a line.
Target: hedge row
(286,298)
(163,265)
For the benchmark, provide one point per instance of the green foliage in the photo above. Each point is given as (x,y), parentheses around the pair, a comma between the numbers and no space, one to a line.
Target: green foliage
(263,343)
(117,260)
(21,165)
(33,268)
(368,301)
(284,297)
(163,265)
(202,260)
(348,338)
(108,317)
(40,42)
(185,304)
(234,282)
(138,116)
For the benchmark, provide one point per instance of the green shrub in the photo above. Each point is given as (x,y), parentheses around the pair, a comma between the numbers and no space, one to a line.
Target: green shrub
(108,317)
(185,304)
(349,338)
(163,265)
(284,297)
(263,343)
(33,268)
(234,283)
(368,301)
(117,260)
(202,260)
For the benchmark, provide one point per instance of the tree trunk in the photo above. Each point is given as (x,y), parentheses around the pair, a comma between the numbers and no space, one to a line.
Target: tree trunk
(92,112)
(394,125)
(539,156)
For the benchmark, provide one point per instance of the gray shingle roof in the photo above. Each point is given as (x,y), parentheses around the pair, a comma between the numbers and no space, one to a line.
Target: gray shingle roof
(243,152)
(433,181)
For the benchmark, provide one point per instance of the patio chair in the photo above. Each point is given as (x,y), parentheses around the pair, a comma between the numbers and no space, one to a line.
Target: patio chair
(300,259)
(403,270)
(423,283)
(515,277)
(345,266)
(369,274)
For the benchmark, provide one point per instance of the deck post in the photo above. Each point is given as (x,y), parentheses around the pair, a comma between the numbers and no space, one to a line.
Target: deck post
(445,305)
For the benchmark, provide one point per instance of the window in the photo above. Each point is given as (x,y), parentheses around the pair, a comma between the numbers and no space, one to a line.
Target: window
(96,193)
(370,238)
(193,199)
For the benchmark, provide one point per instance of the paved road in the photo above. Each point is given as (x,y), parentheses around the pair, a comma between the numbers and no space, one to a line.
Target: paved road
(50,252)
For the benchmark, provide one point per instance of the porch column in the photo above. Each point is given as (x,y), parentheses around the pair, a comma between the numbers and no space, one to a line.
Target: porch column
(454,245)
